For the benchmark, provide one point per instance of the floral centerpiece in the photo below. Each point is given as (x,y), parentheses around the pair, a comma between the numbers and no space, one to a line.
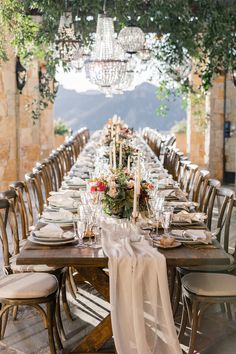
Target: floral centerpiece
(118,193)
(125,154)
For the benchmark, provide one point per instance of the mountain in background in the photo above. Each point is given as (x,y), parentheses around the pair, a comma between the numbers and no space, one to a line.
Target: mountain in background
(137,108)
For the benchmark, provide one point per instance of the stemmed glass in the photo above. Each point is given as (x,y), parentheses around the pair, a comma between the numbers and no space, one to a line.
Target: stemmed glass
(167,219)
(79,231)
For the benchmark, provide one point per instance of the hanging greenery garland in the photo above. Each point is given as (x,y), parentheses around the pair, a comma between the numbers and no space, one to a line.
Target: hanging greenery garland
(205,29)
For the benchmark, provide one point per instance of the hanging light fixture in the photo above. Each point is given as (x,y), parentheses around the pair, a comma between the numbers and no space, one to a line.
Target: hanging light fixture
(66,42)
(131,39)
(107,65)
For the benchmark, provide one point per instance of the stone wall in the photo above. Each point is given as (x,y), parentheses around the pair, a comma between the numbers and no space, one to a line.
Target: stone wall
(23,141)
(230,143)
(8,113)
(208,147)
(195,131)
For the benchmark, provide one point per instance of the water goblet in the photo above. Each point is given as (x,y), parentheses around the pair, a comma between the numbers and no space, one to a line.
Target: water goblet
(97,237)
(167,216)
(81,226)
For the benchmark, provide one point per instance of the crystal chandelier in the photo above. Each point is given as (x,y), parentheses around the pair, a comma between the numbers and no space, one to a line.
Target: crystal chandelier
(81,55)
(107,65)
(131,39)
(66,26)
(66,42)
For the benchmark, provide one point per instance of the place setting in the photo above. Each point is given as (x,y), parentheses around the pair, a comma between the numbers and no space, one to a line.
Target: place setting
(52,235)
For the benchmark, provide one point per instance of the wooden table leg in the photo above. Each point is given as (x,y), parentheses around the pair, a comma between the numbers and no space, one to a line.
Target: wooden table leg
(95,340)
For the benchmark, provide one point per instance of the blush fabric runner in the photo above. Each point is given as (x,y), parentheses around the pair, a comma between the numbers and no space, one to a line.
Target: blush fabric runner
(142,319)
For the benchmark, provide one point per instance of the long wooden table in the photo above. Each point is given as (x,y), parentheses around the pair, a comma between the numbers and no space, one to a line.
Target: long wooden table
(90,264)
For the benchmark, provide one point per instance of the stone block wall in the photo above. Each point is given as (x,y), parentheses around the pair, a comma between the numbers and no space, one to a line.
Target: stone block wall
(23,141)
(195,133)
(8,131)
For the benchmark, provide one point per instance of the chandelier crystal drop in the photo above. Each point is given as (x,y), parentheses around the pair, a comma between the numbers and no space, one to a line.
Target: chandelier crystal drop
(144,54)
(66,26)
(105,73)
(131,39)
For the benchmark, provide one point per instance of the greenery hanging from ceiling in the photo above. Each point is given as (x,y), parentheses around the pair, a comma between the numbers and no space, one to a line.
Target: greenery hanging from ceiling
(205,29)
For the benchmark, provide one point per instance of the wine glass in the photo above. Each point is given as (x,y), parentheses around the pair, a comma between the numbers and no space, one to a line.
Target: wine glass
(97,237)
(79,231)
(167,216)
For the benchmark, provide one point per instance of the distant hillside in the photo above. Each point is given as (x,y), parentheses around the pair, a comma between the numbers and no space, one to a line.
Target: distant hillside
(137,108)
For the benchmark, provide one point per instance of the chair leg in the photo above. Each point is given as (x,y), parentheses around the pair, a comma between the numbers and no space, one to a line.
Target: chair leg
(194,326)
(3,319)
(177,297)
(14,312)
(57,336)
(50,318)
(59,320)
(42,314)
(184,320)
(64,297)
(229,311)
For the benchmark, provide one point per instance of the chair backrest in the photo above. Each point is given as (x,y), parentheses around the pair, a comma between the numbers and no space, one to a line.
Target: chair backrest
(8,232)
(34,185)
(224,215)
(209,199)
(182,172)
(189,177)
(199,186)
(25,206)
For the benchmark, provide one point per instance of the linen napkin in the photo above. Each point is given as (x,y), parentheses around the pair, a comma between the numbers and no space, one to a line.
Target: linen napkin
(77,181)
(61,215)
(141,314)
(184,216)
(61,201)
(50,231)
(71,193)
(202,236)
(182,204)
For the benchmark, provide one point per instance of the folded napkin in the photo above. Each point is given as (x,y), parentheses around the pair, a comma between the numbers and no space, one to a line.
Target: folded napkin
(202,236)
(75,181)
(61,201)
(165,182)
(50,231)
(67,193)
(184,216)
(61,215)
(182,204)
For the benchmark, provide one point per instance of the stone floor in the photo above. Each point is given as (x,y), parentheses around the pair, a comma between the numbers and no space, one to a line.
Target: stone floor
(217,335)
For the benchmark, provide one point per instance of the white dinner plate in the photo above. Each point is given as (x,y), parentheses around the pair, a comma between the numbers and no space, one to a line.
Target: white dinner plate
(51,243)
(48,238)
(59,222)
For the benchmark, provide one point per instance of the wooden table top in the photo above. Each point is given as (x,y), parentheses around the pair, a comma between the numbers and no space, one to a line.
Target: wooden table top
(70,255)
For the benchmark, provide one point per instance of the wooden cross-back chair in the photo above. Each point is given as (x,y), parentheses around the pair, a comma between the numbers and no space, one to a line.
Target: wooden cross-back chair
(199,185)
(59,170)
(25,206)
(204,286)
(38,289)
(189,177)
(12,243)
(44,180)
(208,201)
(182,172)
(34,185)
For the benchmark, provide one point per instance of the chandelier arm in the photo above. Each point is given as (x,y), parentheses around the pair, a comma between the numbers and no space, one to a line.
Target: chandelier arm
(104,6)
